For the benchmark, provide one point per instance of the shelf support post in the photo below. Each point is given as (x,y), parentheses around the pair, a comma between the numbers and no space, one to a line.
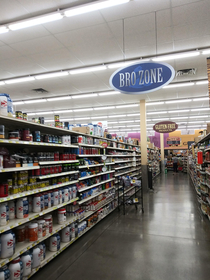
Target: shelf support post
(143,136)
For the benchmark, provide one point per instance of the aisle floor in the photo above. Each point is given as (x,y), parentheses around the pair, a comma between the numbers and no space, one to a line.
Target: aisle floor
(171,240)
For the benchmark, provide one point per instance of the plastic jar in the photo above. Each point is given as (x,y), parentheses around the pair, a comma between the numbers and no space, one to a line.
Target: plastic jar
(2,131)
(41,228)
(65,234)
(19,115)
(30,204)
(26,134)
(4,273)
(61,216)
(4,190)
(13,135)
(33,232)
(66,194)
(11,206)
(36,257)
(37,203)
(3,214)
(48,219)
(15,269)
(27,263)
(7,242)
(42,248)
(49,200)
(55,197)
(22,208)
(54,244)
(20,234)
(25,116)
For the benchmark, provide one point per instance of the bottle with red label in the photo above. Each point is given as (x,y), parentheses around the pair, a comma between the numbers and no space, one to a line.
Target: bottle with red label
(4,214)
(27,263)
(15,269)
(7,244)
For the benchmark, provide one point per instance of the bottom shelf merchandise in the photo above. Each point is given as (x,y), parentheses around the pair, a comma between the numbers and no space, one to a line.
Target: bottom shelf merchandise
(53,243)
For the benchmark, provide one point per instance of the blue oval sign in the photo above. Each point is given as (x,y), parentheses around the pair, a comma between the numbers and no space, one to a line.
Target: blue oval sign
(142,77)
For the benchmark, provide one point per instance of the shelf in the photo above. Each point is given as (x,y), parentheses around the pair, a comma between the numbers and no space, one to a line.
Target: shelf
(22,247)
(112,148)
(93,196)
(203,139)
(57,174)
(17,222)
(94,175)
(123,161)
(95,165)
(27,193)
(95,185)
(121,155)
(122,167)
(29,143)
(202,172)
(14,169)
(116,175)
(57,162)
(89,145)
(89,155)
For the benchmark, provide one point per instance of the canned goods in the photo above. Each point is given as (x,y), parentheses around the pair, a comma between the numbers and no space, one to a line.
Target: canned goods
(19,115)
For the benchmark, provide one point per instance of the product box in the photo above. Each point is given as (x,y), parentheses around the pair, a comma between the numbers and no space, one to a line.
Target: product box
(208,128)
(83,129)
(196,139)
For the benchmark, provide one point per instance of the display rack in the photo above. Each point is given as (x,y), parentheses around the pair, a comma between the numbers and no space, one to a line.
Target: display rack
(103,192)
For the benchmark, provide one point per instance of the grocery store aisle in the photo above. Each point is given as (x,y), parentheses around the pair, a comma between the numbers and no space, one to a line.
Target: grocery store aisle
(170,240)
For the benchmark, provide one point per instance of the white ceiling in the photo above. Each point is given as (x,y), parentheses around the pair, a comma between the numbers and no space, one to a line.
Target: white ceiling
(150,28)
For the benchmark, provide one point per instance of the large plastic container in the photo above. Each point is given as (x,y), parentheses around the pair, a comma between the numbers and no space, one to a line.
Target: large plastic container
(27,263)
(7,244)
(6,106)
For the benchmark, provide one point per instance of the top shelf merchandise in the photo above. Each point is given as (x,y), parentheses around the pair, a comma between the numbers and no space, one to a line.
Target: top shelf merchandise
(153,156)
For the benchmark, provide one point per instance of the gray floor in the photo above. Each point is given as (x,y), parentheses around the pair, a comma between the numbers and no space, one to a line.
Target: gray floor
(171,240)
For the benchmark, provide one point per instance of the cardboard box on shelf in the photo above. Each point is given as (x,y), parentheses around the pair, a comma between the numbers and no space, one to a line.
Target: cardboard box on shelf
(83,129)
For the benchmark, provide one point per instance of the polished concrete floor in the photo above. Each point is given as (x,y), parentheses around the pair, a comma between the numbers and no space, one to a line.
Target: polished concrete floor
(170,241)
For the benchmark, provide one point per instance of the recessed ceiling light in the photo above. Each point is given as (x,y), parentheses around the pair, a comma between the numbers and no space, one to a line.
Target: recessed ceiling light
(126,121)
(176,56)
(112,122)
(206,52)
(83,110)
(46,121)
(85,118)
(88,69)
(178,111)
(59,98)
(198,117)
(2,83)
(84,95)
(127,106)
(133,115)
(117,116)
(156,113)
(179,85)
(179,118)
(200,109)
(51,75)
(35,21)
(18,103)
(99,117)
(202,83)
(104,108)
(43,113)
(162,119)
(109,93)
(62,111)
(154,103)
(3,29)
(35,101)
(201,99)
(178,101)
(19,80)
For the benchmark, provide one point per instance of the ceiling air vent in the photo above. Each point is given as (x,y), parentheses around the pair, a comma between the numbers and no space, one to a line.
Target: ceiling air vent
(186,72)
(40,90)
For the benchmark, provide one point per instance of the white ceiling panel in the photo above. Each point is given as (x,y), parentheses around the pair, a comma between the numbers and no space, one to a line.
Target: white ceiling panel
(7,52)
(43,44)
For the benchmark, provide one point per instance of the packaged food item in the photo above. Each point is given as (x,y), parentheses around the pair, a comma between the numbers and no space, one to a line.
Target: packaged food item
(36,257)
(33,232)
(61,216)
(15,268)
(25,116)
(19,115)
(20,233)
(2,132)
(7,243)
(27,263)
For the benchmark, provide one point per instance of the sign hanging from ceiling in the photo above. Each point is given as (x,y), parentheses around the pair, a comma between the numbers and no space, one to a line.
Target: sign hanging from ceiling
(142,77)
(165,127)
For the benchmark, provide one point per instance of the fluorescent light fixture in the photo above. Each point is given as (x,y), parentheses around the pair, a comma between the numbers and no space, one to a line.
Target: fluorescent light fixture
(43,113)
(206,52)
(135,125)
(35,21)
(99,117)
(112,122)
(2,83)
(196,122)
(179,85)
(178,111)
(85,118)
(127,129)
(154,103)
(95,6)
(127,106)
(202,83)
(201,99)
(195,126)
(178,101)
(31,114)
(109,93)
(35,101)
(133,115)
(18,103)
(179,118)
(176,56)
(3,29)
(88,69)
(200,109)
(162,119)
(83,110)
(62,111)
(66,120)
(51,75)
(156,113)
(104,108)
(19,80)
(124,63)
(59,98)
(48,121)
(119,126)
(198,117)
(126,121)
(117,116)
(84,95)
(113,130)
